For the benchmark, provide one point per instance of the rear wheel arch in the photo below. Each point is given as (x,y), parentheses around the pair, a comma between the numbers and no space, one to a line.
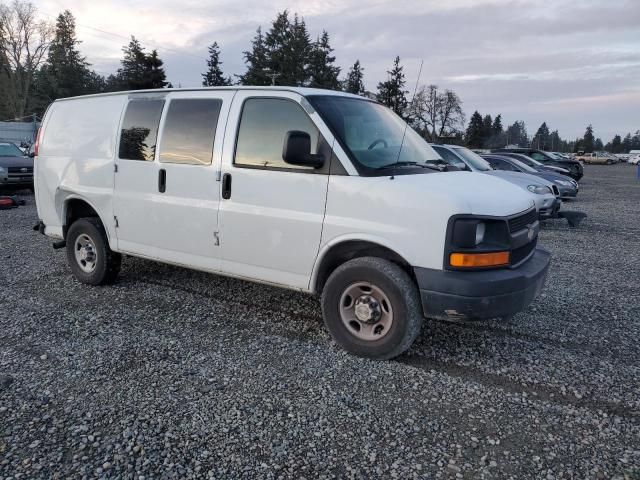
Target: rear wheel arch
(75,208)
(346,250)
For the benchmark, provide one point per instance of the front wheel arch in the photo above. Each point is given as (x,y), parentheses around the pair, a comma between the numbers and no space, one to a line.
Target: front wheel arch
(344,251)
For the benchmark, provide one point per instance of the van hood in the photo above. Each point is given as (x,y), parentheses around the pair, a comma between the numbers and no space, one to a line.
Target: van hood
(466,192)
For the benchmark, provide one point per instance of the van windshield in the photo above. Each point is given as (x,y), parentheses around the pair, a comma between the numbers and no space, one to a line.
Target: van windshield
(372,134)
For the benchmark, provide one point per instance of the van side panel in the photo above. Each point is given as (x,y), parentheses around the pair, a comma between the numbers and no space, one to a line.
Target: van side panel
(76,159)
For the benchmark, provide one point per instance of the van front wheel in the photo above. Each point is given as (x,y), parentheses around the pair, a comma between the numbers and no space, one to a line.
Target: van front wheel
(372,308)
(88,253)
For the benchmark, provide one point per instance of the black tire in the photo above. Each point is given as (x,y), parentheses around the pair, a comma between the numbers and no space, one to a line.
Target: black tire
(107,262)
(398,287)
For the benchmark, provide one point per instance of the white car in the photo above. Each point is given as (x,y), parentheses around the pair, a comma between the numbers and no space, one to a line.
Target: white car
(324,192)
(543,192)
(634,160)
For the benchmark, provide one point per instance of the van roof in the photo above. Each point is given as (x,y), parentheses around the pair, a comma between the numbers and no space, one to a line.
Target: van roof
(304,91)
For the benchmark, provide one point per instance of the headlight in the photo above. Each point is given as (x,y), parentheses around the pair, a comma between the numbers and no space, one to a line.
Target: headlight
(3,172)
(539,189)
(564,183)
(480,230)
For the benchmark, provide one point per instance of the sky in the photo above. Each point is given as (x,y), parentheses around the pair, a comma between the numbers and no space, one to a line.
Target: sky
(569,63)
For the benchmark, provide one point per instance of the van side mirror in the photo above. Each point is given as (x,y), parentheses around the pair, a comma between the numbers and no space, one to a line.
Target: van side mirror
(31,154)
(297,150)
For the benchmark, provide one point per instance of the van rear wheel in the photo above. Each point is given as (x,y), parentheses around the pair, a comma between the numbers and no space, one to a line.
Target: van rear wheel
(372,308)
(88,253)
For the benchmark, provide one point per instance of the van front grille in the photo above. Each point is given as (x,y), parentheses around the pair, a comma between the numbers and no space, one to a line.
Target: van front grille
(520,222)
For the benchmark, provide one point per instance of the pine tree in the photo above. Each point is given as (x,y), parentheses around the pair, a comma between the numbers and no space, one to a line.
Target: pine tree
(297,55)
(354,82)
(257,62)
(475,131)
(391,92)
(496,128)
(598,146)
(66,72)
(322,71)
(487,130)
(138,70)
(213,77)
(155,71)
(541,138)
(588,140)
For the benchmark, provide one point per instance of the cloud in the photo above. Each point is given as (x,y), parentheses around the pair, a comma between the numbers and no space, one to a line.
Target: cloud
(529,60)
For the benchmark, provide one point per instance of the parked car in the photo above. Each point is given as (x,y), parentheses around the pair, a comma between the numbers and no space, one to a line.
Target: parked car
(596,158)
(575,168)
(543,192)
(324,192)
(567,186)
(541,167)
(16,168)
(634,160)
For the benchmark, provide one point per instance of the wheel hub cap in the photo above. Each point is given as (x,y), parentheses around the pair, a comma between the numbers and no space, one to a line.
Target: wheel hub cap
(365,311)
(85,253)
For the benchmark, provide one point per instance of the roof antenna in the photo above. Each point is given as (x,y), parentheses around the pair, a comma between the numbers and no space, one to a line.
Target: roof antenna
(406,125)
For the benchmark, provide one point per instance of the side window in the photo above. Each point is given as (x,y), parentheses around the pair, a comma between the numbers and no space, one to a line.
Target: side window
(538,156)
(501,165)
(189,130)
(140,130)
(448,156)
(263,126)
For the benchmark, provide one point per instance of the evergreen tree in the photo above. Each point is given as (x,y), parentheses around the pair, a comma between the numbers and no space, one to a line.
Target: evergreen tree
(496,128)
(555,142)
(588,140)
(257,62)
(517,134)
(354,82)
(66,72)
(298,53)
(598,146)
(391,92)
(322,71)
(213,77)
(487,130)
(475,131)
(627,143)
(616,144)
(541,138)
(138,70)
(154,71)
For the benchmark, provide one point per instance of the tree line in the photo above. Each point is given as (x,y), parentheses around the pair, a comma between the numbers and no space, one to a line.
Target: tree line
(40,62)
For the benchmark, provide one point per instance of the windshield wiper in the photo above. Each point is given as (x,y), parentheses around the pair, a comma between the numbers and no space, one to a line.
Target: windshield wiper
(409,164)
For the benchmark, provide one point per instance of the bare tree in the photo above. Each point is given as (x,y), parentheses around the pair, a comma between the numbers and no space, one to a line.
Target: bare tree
(436,114)
(24,41)
(450,114)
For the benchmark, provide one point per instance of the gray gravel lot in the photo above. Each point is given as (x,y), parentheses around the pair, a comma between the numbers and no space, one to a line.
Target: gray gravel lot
(172,373)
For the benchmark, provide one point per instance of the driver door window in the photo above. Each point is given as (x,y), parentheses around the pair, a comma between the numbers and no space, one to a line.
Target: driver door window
(263,126)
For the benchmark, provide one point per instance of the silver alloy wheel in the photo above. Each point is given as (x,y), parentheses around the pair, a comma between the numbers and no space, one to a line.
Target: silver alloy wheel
(85,251)
(366,311)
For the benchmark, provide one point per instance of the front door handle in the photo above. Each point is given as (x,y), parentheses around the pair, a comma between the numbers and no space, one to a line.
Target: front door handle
(226,186)
(162,180)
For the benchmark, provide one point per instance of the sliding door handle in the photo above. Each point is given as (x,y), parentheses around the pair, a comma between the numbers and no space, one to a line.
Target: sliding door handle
(162,180)
(226,186)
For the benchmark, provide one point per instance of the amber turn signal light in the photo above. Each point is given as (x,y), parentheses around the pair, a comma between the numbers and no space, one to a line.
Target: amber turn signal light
(471,260)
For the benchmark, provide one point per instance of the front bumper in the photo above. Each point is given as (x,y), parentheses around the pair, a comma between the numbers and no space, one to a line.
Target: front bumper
(482,294)
(548,208)
(568,192)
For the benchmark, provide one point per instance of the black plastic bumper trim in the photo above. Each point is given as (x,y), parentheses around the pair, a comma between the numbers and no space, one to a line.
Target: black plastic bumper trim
(482,294)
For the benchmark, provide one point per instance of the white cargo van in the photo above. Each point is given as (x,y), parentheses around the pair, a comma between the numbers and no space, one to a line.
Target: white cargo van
(319,191)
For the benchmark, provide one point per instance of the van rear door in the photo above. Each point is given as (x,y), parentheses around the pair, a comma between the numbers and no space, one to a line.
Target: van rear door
(166,194)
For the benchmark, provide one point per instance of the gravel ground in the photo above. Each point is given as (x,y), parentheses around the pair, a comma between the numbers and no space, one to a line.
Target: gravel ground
(175,374)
